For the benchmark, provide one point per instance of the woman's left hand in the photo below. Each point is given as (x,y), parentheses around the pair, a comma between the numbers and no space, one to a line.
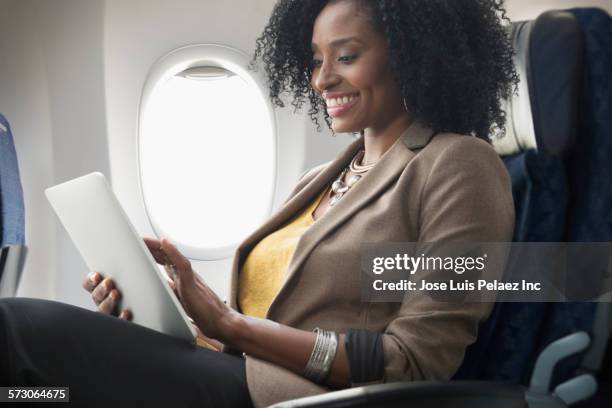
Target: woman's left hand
(265,339)
(209,313)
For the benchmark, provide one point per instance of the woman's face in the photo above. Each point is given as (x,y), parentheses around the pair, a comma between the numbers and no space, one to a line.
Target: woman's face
(351,69)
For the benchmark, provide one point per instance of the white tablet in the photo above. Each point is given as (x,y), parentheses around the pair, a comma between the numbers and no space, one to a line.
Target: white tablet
(109,244)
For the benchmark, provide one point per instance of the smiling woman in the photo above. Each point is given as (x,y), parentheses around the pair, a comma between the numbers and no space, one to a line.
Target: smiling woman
(351,71)
(448,61)
(421,81)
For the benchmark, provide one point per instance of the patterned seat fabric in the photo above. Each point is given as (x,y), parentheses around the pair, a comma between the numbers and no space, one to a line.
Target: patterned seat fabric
(561,194)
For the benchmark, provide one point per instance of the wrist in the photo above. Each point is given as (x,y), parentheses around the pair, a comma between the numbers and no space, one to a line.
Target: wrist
(232,328)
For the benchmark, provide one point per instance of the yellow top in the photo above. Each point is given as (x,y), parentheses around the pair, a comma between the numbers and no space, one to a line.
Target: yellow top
(264,269)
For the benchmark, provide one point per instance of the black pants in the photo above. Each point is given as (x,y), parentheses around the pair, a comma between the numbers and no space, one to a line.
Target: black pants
(108,362)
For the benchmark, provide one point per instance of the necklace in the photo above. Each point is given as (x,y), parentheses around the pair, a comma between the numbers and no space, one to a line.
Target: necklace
(357,167)
(339,188)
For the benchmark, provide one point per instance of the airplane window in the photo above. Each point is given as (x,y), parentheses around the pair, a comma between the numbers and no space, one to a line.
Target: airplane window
(207,158)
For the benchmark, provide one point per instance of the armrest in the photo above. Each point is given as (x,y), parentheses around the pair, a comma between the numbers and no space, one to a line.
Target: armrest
(468,394)
(455,394)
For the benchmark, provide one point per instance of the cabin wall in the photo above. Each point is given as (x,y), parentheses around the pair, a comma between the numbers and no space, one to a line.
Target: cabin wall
(529,9)
(71,75)
(24,100)
(59,60)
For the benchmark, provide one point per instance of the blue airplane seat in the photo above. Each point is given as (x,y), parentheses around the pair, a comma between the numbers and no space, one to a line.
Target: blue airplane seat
(550,148)
(590,172)
(590,163)
(544,120)
(12,219)
(589,167)
(507,351)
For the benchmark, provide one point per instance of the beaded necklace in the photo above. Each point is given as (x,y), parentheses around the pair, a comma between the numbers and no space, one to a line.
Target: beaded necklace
(339,188)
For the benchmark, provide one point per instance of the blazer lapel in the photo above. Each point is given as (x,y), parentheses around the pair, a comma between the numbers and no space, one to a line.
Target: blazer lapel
(304,196)
(290,209)
(391,164)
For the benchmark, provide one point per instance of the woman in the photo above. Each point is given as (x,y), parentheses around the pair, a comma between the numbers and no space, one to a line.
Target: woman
(411,76)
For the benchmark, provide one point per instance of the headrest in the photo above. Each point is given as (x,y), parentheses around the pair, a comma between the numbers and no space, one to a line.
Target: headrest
(548,59)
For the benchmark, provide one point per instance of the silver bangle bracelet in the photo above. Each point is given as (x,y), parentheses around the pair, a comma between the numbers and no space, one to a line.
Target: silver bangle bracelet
(311,369)
(319,365)
(330,354)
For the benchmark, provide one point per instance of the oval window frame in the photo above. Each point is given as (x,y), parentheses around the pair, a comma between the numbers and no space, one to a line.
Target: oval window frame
(173,63)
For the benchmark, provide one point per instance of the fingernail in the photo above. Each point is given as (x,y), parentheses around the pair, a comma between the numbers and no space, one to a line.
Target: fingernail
(92,276)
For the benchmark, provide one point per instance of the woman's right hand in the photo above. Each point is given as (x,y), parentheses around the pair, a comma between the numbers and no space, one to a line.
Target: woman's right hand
(103,291)
(105,295)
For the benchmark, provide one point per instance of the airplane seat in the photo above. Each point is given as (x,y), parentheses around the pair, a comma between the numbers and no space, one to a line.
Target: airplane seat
(542,131)
(12,215)
(527,353)
(590,169)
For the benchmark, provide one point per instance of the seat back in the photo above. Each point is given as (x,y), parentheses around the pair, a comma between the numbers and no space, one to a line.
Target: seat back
(12,214)
(590,165)
(546,134)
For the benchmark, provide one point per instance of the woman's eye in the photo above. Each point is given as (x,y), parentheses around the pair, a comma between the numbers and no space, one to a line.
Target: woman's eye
(347,58)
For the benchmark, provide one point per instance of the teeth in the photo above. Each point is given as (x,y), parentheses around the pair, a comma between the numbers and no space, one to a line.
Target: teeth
(332,103)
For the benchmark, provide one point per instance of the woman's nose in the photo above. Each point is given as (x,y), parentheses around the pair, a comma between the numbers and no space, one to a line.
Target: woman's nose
(325,77)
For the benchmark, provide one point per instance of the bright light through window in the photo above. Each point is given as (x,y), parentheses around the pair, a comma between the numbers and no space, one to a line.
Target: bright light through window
(207,160)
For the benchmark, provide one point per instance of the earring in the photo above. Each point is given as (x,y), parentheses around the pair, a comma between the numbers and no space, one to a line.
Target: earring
(405,105)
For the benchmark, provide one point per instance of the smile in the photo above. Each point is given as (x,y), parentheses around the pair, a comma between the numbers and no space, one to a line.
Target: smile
(338,106)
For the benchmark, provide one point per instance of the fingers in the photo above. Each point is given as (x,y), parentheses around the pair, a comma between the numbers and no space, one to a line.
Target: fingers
(101,292)
(182,266)
(125,315)
(170,276)
(92,281)
(109,304)
(169,271)
(105,295)
(152,243)
(175,289)
(154,246)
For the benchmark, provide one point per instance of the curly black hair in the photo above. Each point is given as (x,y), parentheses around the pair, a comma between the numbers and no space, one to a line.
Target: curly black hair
(452,59)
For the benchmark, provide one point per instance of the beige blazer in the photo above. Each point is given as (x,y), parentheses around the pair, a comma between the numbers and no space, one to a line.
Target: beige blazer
(425,188)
